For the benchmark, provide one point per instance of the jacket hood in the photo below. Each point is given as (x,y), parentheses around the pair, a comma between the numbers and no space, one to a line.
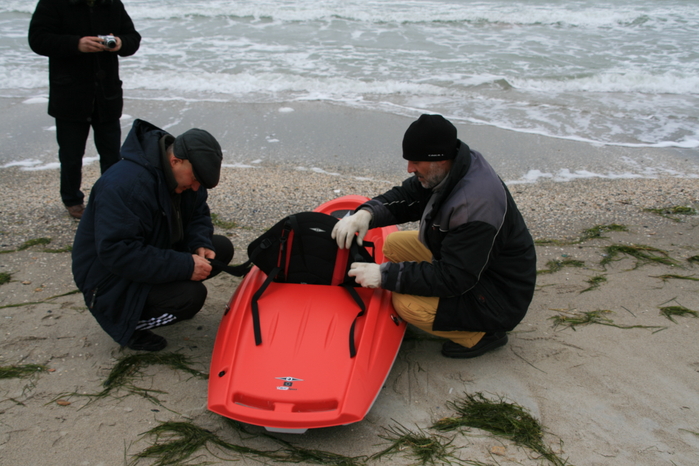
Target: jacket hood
(462,163)
(142,145)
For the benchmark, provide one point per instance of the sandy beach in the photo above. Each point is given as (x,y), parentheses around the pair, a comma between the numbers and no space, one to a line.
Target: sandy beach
(621,389)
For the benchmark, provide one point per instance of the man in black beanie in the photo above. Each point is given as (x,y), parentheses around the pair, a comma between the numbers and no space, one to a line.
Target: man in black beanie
(468,274)
(144,243)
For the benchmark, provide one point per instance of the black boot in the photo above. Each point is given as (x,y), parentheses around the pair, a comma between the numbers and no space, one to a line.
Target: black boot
(490,341)
(145,340)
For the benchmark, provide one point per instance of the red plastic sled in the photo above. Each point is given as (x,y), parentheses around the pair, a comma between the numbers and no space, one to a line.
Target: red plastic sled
(302,376)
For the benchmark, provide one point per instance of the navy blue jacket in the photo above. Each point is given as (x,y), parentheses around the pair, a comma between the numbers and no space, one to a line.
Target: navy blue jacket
(82,83)
(484,261)
(123,243)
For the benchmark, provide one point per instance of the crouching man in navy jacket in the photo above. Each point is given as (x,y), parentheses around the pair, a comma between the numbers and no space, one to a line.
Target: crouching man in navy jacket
(143,246)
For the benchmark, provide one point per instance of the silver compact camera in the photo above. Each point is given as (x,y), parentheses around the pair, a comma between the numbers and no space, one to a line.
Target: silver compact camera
(108,41)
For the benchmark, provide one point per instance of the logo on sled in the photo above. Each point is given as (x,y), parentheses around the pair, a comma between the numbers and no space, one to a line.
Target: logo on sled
(288,382)
(289,379)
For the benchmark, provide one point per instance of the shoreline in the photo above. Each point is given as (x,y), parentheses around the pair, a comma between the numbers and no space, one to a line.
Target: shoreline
(342,139)
(254,198)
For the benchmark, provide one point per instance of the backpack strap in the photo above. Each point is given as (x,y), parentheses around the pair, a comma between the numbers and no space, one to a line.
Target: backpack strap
(341,263)
(358,299)
(368,244)
(235,270)
(255,307)
(286,235)
(283,256)
(291,227)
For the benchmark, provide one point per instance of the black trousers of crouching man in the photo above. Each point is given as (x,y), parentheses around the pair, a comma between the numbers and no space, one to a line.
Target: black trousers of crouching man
(168,303)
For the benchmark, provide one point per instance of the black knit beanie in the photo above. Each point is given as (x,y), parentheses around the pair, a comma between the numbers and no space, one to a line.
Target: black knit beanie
(203,152)
(430,138)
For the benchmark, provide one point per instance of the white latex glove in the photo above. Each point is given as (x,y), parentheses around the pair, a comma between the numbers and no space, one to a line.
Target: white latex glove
(366,274)
(344,230)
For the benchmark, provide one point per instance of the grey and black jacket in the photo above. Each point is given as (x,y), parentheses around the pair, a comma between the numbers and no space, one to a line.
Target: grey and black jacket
(484,262)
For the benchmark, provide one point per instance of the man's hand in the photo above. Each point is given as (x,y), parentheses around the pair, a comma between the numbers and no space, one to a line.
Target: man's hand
(345,229)
(205,253)
(202,268)
(93,44)
(366,274)
(118,44)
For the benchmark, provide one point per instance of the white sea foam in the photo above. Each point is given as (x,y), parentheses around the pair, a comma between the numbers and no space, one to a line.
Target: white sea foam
(46,166)
(668,82)
(565,175)
(23,163)
(36,100)
(619,73)
(507,13)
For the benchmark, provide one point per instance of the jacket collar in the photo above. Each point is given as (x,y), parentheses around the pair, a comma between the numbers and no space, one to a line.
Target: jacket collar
(461,165)
(170,180)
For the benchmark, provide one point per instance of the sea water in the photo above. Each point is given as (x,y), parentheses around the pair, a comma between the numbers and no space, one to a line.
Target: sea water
(621,72)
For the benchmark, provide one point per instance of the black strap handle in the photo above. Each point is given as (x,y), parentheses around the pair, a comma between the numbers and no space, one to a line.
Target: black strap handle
(358,299)
(256,308)
(235,270)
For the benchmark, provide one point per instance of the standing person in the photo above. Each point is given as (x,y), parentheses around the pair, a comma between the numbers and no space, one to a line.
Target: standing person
(468,274)
(84,85)
(143,246)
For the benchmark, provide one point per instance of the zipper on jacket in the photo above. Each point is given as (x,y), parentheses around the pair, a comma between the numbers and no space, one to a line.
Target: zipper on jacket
(94,297)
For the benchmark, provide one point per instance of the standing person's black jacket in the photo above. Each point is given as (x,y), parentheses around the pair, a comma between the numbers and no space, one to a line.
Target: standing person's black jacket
(484,262)
(80,83)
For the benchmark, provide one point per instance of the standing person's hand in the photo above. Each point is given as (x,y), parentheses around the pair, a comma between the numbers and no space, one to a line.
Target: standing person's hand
(202,268)
(91,44)
(118,44)
(344,230)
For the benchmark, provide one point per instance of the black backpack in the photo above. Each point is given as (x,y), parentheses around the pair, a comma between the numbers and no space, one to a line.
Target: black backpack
(299,249)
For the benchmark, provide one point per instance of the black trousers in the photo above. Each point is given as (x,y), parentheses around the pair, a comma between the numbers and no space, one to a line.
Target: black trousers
(72,138)
(168,303)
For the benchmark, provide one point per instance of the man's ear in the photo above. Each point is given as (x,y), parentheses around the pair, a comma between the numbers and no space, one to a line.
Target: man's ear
(446,164)
(174,161)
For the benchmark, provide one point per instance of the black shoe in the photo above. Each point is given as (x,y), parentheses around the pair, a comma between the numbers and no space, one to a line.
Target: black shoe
(490,341)
(145,340)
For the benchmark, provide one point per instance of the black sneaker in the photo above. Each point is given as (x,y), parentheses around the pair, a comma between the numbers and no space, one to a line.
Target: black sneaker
(145,340)
(490,341)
